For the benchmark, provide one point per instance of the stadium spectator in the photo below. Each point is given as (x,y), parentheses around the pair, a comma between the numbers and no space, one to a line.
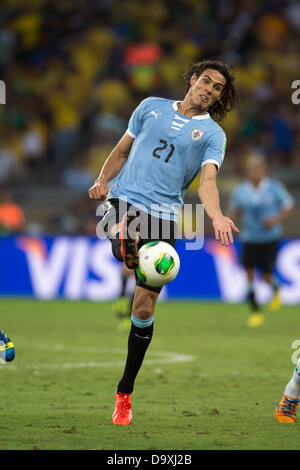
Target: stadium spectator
(78,176)
(10,166)
(33,144)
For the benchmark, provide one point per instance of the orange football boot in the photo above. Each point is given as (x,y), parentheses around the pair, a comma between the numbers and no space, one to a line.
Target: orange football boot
(286,409)
(123,411)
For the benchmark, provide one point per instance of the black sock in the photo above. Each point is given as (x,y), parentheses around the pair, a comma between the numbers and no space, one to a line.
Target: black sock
(251,299)
(138,342)
(274,285)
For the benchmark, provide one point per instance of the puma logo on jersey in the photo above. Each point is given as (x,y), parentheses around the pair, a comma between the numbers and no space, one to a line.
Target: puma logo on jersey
(155,114)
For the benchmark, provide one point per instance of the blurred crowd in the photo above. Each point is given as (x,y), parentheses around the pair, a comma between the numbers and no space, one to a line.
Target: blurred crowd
(76,69)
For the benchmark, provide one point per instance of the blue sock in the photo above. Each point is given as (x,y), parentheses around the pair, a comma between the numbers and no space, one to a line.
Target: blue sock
(141,323)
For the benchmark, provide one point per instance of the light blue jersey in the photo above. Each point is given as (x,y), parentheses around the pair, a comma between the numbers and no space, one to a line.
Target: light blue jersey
(257,204)
(168,152)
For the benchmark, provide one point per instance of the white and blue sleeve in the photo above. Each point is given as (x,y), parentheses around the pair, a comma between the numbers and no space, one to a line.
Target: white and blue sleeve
(136,121)
(215,149)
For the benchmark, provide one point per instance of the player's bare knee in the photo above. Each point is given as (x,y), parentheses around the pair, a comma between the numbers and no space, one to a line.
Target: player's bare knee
(143,313)
(143,309)
(144,303)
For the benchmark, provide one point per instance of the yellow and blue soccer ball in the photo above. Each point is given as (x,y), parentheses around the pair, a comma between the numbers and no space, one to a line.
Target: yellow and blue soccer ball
(159,263)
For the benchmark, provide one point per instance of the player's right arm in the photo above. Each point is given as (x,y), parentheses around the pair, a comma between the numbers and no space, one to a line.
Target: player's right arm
(209,196)
(111,168)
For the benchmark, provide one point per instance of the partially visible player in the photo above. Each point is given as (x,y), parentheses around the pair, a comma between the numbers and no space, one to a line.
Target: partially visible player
(264,205)
(7,348)
(287,407)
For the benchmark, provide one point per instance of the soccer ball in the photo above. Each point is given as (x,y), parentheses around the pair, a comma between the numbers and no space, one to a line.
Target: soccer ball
(158,263)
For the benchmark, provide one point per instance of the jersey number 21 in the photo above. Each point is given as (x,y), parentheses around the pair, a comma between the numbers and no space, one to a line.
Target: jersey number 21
(165,144)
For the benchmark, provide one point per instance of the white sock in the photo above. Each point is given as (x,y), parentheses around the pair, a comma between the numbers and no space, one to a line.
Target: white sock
(293,387)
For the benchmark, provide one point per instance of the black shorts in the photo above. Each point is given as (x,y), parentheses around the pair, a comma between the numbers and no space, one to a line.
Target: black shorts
(260,254)
(151,228)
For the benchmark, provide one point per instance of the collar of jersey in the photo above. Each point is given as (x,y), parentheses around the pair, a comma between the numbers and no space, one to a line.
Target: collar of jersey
(201,116)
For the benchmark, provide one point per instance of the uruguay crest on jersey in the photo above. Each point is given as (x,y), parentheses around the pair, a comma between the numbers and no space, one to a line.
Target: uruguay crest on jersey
(196,134)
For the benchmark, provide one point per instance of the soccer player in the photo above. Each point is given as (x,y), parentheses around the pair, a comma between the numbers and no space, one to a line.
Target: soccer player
(166,145)
(7,348)
(263,204)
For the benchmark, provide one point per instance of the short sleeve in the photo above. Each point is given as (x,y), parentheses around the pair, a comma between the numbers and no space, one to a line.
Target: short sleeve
(136,120)
(215,149)
(283,196)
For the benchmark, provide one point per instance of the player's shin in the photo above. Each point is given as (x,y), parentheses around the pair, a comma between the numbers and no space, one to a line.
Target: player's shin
(251,298)
(275,303)
(139,339)
(275,285)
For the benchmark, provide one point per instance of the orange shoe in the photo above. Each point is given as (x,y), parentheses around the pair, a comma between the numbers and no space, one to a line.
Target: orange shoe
(286,409)
(123,411)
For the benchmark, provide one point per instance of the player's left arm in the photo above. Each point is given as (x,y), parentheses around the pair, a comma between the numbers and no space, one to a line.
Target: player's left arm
(209,196)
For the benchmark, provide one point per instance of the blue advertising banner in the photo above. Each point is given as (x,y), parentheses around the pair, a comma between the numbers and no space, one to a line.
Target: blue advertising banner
(83,267)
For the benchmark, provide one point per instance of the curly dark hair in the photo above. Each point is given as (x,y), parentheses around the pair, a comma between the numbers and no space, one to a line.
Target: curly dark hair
(229,99)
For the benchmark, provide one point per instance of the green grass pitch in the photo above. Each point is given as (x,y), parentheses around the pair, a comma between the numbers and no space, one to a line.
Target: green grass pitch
(208,381)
